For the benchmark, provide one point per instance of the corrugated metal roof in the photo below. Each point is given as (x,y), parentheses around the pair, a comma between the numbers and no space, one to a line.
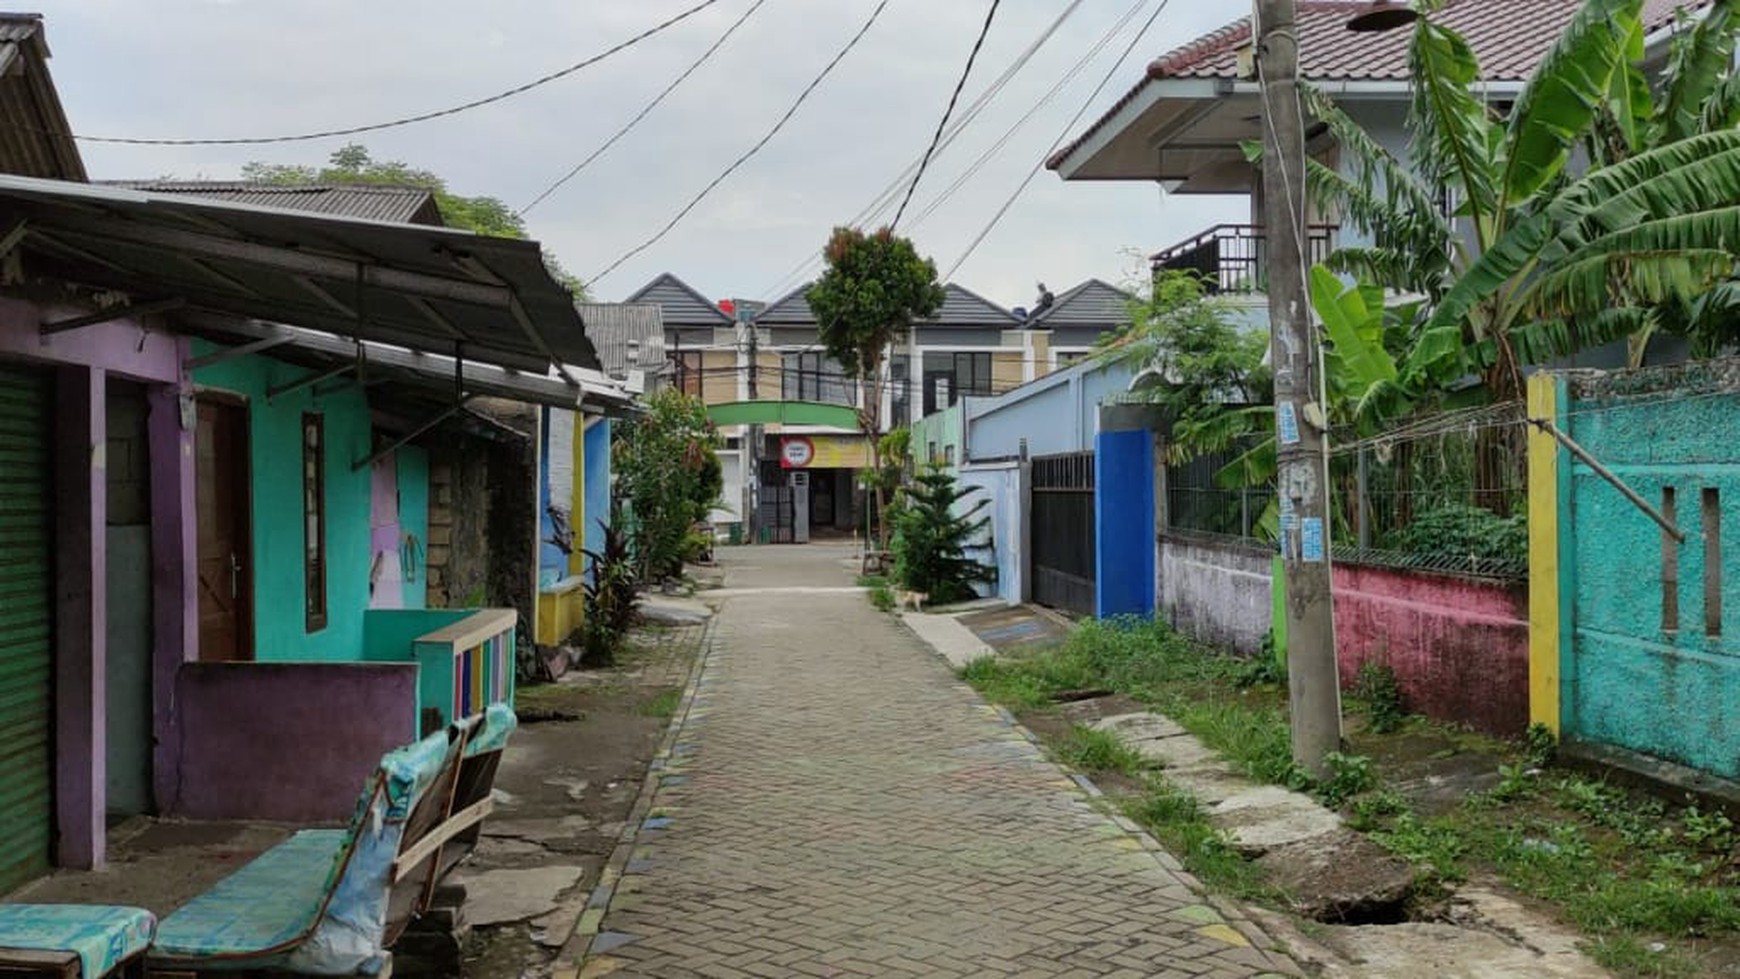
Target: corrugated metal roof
(373,202)
(681,304)
(35,137)
(617,328)
(1509,36)
(1092,303)
(430,289)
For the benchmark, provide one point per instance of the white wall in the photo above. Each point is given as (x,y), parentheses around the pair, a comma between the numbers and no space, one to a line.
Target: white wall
(1001,485)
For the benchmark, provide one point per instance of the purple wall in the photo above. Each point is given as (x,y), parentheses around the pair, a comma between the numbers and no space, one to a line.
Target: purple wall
(291,742)
(1459,646)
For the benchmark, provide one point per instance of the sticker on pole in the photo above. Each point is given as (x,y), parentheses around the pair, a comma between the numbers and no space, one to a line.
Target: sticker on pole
(1287,418)
(1311,540)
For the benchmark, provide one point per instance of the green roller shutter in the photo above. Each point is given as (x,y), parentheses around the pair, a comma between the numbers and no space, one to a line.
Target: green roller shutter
(26,609)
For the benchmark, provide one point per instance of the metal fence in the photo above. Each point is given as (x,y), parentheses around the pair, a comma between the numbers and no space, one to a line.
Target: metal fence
(1445,492)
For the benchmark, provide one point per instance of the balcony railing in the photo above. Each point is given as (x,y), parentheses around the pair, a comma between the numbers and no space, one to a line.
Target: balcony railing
(1232,258)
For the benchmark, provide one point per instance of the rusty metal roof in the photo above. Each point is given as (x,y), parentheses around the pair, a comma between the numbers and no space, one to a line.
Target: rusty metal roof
(35,137)
(374,202)
(1509,36)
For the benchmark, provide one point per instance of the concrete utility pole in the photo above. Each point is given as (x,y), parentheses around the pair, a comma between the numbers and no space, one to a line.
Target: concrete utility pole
(1314,692)
(752,441)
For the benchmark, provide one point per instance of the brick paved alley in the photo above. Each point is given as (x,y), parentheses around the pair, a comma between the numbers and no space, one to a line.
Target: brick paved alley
(836,804)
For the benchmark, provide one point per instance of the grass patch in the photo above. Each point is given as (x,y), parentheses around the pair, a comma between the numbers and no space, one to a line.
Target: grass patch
(882,597)
(872,581)
(1651,886)
(664,704)
(1091,750)
(1176,819)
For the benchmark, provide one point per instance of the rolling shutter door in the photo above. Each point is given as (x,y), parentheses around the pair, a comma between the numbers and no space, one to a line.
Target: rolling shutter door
(26,610)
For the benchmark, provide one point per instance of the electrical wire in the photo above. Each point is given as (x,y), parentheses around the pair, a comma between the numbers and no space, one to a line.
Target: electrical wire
(883,200)
(1044,100)
(924,161)
(1067,129)
(421,117)
(763,141)
(607,144)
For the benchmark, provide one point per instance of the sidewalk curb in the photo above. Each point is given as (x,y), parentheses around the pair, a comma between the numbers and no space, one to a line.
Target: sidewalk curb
(1228,911)
(577,954)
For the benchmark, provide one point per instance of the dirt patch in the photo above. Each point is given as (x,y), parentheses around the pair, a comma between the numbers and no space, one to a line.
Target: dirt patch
(565,787)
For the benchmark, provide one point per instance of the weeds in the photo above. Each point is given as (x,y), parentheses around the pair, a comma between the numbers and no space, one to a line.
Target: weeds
(663,705)
(1378,687)
(1091,750)
(882,597)
(1176,819)
(1349,775)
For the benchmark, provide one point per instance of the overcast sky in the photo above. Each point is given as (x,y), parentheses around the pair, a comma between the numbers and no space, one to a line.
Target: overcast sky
(224,68)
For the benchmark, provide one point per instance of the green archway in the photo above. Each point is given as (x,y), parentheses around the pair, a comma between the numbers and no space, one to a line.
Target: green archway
(783,413)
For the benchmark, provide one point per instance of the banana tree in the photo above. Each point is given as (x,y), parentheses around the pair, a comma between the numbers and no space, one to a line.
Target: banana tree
(1533,260)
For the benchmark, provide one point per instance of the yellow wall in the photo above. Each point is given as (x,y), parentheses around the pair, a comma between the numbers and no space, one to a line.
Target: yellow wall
(1006,369)
(1544,624)
(720,376)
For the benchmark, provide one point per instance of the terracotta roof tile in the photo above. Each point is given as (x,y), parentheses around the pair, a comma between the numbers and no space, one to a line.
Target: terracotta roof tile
(1509,36)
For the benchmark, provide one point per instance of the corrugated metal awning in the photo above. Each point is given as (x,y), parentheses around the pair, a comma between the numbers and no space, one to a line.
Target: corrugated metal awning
(430,289)
(434,375)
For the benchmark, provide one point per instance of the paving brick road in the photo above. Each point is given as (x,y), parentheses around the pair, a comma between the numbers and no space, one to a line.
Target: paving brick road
(836,804)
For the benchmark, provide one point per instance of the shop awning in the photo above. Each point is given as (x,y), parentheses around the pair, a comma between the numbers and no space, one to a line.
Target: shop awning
(429,289)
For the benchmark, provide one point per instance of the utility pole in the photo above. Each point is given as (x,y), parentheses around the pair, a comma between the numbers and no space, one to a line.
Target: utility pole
(744,313)
(1302,478)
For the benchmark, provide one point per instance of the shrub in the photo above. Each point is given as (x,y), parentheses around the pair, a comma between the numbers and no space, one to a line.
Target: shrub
(612,599)
(931,538)
(1461,531)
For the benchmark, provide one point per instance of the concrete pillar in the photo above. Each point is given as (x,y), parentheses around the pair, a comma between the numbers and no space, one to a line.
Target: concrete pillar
(80,669)
(174,575)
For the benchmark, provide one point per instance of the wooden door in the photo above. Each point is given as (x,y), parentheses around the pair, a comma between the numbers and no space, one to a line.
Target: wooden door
(225,558)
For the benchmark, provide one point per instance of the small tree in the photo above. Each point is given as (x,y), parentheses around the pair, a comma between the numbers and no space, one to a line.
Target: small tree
(667,468)
(875,286)
(931,539)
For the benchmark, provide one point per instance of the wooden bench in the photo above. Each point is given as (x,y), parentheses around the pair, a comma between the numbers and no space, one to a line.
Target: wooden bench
(332,902)
(73,941)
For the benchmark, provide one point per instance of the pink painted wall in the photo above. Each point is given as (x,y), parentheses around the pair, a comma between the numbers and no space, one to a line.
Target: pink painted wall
(122,347)
(291,742)
(1459,646)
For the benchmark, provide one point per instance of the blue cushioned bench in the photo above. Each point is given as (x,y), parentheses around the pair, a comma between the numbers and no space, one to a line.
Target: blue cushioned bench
(73,941)
(332,902)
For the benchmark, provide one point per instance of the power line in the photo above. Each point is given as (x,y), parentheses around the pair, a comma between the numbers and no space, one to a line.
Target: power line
(607,144)
(886,197)
(1067,129)
(421,117)
(990,15)
(1044,100)
(763,141)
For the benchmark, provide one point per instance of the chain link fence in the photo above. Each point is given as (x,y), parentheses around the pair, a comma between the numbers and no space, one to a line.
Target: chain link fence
(1445,492)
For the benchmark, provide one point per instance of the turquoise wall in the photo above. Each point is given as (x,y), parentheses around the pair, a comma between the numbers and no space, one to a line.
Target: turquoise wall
(943,428)
(1673,695)
(275,439)
(388,634)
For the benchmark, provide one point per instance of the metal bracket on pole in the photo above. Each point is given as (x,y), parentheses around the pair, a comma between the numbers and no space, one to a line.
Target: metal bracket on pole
(306,381)
(231,353)
(1630,494)
(393,446)
(112,313)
